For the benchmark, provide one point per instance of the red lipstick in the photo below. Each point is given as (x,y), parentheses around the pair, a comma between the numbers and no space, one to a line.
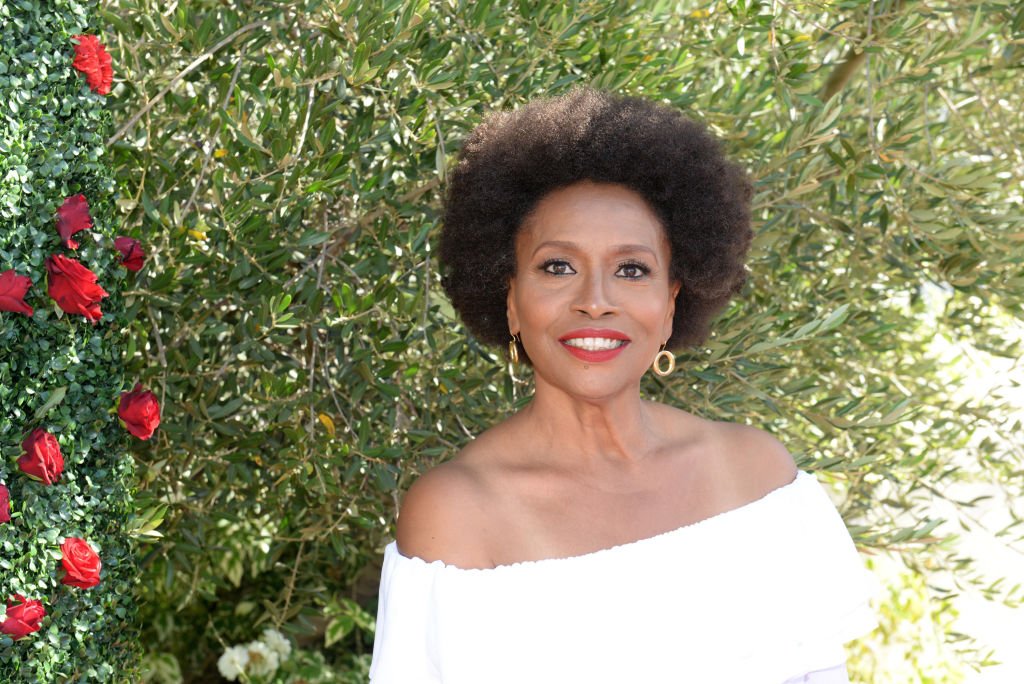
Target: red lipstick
(594,356)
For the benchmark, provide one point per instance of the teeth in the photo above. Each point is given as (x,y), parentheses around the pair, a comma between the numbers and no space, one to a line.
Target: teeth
(595,343)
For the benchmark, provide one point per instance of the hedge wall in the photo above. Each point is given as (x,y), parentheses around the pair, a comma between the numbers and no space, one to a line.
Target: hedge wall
(67,547)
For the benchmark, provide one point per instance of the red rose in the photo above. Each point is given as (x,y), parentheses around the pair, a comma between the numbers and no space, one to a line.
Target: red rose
(140,412)
(93,60)
(81,564)
(42,459)
(74,287)
(131,252)
(22,619)
(72,217)
(5,504)
(12,292)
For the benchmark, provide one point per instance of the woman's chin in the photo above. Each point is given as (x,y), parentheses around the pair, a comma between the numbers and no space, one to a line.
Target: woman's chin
(594,382)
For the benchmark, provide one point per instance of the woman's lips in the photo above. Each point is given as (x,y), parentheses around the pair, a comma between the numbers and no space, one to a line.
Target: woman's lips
(595,355)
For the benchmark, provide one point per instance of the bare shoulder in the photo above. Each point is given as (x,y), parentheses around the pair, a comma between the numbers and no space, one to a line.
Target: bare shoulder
(442,514)
(748,462)
(756,458)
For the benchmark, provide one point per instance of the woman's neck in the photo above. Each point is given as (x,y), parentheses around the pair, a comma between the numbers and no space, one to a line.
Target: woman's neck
(590,434)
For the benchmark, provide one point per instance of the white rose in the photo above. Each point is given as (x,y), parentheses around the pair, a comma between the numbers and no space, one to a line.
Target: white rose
(233,662)
(277,642)
(262,661)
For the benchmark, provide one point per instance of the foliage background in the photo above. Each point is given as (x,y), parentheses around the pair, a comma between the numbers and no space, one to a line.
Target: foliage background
(286,161)
(59,371)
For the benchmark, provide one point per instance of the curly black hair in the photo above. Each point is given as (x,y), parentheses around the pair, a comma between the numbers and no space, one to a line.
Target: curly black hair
(514,158)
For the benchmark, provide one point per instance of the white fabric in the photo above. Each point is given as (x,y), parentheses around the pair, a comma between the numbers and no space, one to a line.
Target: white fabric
(833,675)
(763,593)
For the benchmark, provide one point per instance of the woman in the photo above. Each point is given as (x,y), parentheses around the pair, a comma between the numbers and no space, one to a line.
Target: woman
(594,536)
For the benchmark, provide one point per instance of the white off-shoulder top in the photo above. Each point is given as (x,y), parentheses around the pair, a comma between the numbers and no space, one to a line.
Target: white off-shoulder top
(767,593)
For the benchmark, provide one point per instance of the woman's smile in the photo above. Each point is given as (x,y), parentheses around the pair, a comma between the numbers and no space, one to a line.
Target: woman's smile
(595,345)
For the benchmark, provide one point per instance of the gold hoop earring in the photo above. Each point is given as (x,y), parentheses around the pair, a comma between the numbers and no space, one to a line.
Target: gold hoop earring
(513,350)
(662,355)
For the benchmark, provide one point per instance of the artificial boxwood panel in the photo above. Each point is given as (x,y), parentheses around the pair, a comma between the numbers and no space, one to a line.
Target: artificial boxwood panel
(59,371)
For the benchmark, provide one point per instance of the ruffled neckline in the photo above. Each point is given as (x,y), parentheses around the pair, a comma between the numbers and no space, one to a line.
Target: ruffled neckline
(777,493)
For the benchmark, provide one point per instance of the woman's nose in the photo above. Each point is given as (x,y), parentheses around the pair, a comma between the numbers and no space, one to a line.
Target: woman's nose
(593,296)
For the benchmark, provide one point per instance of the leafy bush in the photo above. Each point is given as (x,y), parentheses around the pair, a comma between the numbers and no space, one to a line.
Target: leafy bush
(289,160)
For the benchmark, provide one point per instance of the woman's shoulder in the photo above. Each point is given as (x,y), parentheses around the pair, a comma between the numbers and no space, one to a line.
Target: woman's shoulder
(445,511)
(453,511)
(751,457)
(758,454)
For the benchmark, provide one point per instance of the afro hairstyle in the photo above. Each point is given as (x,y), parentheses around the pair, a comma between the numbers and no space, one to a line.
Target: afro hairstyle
(512,159)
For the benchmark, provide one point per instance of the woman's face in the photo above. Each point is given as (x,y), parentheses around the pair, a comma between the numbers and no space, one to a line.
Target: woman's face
(591,299)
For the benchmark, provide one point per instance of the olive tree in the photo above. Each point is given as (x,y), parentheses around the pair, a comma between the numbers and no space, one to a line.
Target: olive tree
(287,163)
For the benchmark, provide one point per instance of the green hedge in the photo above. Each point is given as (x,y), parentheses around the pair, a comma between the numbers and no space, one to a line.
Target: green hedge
(59,371)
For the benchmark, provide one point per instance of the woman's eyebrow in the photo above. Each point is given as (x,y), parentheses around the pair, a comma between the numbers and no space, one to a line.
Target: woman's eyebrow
(563,244)
(618,249)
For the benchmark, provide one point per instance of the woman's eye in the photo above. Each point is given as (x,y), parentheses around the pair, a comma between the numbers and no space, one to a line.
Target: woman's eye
(633,271)
(557,267)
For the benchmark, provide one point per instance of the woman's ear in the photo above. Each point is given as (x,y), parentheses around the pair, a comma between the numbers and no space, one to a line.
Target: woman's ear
(674,294)
(510,308)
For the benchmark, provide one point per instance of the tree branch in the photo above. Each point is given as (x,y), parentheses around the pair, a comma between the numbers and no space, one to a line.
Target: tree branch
(177,79)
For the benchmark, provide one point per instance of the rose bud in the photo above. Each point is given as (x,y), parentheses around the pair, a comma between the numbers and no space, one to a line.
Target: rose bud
(72,217)
(12,292)
(140,412)
(22,619)
(42,459)
(131,252)
(5,504)
(74,288)
(93,60)
(81,564)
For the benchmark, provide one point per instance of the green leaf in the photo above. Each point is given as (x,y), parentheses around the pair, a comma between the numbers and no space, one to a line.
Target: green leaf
(56,397)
